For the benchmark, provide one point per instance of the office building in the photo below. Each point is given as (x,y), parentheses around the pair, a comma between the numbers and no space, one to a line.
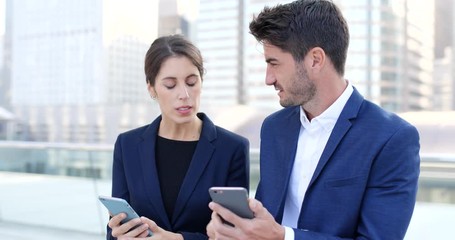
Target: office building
(220,39)
(258,94)
(178,17)
(390,59)
(443,83)
(444,20)
(234,61)
(444,68)
(69,57)
(4,81)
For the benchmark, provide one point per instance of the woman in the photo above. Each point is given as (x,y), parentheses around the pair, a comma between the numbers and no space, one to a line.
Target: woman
(164,169)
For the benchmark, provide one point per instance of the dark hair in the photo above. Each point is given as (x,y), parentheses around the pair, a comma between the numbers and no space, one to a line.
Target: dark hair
(304,24)
(170,46)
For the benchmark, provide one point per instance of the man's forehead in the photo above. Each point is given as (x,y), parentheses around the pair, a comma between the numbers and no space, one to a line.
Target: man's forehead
(271,50)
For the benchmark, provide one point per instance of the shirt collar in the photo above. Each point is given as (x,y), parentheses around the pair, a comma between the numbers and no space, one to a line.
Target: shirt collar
(329,117)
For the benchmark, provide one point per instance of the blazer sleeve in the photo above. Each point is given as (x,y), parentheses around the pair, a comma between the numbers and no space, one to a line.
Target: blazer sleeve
(390,196)
(239,169)
(238,175)
(120,188)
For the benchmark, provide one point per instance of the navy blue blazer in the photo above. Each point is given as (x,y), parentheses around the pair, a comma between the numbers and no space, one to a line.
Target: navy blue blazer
(221,158)
(365,184)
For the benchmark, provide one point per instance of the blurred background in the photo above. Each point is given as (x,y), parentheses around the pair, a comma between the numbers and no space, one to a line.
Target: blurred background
(71,80)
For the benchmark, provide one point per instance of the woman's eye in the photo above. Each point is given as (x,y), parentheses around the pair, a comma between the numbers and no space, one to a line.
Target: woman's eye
(192,81)
(169,86)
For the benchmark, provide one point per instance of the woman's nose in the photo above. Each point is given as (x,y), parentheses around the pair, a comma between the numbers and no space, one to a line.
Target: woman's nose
(183,93)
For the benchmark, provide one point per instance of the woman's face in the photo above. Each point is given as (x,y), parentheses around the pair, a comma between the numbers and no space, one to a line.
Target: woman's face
(177,90)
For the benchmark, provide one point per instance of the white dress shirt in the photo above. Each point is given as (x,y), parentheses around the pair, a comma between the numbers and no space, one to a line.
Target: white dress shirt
(313,137)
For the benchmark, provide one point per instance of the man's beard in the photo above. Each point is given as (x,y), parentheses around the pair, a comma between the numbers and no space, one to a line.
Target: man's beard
(302,89)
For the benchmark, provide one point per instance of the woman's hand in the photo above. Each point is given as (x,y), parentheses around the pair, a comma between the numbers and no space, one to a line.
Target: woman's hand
(158,233)
(133,228)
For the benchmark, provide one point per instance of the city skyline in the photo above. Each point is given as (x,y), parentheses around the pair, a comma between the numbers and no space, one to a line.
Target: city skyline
(91,58)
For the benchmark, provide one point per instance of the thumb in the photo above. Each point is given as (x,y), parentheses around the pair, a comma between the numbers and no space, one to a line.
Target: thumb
(256,207)
(152,225)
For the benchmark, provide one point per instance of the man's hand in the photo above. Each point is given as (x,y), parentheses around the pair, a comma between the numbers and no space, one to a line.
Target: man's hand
(261,227)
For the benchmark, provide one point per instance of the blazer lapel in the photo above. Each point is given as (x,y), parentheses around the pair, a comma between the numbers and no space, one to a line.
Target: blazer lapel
(342,126)
(148,162)
(286,143)
(201,158)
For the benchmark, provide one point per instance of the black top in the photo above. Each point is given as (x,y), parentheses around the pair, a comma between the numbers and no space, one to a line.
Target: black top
(172,161)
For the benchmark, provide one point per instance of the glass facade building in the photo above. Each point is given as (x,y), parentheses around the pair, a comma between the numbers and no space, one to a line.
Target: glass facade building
(390,58)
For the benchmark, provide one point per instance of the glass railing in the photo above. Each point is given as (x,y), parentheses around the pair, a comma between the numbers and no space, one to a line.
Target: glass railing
(41,183)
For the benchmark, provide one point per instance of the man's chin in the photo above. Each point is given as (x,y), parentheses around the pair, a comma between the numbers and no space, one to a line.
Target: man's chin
(285,104)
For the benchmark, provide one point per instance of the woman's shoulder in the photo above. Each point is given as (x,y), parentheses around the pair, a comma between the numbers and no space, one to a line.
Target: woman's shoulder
(220,133)
(223,132)
(135,132)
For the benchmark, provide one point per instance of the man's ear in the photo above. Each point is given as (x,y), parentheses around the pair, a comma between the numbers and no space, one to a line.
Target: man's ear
(317,58)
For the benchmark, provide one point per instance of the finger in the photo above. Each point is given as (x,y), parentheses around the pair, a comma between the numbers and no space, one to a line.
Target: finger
(255,206)
(144,234)
(219,229)
(209,229)
(258,209)
(226,214)
(138,230)
(125,228)
(151,224)
(115,220)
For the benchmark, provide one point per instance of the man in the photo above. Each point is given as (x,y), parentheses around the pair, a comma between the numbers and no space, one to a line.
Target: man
(333,165)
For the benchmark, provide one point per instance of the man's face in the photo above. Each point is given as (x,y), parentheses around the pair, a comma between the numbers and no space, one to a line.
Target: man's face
(289,78)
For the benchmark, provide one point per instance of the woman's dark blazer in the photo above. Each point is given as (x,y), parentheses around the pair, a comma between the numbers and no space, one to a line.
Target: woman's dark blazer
(221,158)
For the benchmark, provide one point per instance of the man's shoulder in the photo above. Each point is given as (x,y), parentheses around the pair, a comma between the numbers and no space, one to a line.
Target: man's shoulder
(378,114)
(375,120)
(283,114)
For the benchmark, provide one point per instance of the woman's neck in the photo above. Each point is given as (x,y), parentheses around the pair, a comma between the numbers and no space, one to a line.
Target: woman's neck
(189,131)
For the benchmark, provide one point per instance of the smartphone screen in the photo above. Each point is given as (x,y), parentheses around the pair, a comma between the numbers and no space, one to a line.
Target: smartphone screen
(232,198)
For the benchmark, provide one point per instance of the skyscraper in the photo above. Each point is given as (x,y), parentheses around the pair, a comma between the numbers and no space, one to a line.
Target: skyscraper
(443,82)
(219,37)
(4,79)
(177,17)
(390,58)
(75,64)
(444,20)
(234,61)
(69,52)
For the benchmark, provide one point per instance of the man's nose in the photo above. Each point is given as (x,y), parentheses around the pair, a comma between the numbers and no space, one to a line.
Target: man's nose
(269,77)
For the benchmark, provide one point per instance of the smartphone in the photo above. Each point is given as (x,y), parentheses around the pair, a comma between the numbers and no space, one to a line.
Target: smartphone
(232,198)
(118,205)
